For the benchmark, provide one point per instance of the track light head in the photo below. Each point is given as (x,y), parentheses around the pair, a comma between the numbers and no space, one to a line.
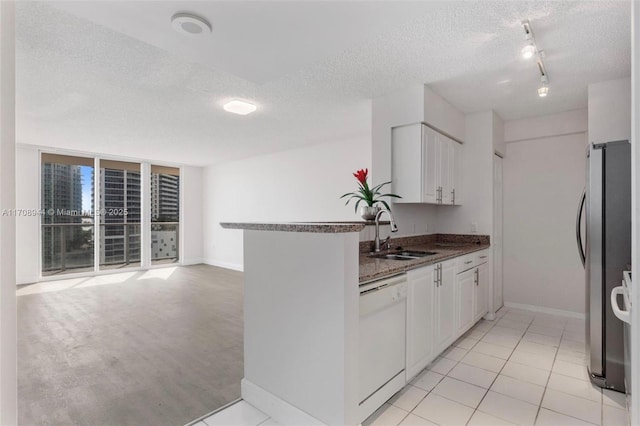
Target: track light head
(543,91)
(528,51)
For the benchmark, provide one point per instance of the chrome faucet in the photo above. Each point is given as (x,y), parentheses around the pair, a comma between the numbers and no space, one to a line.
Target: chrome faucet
(394,228)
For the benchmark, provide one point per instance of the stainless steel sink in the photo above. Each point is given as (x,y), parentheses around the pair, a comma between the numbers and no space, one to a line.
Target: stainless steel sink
(393,257)
(416,253)
(404,255)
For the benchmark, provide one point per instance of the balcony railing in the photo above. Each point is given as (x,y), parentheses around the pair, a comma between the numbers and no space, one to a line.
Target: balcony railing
(69,247)
(165,242)
(120,244)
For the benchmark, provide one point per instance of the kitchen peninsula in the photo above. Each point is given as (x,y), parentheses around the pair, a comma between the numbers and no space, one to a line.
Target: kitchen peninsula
(301,316)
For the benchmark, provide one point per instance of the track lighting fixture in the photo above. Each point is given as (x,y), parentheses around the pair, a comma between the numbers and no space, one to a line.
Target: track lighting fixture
(543,90)
(531,50)
(528,51)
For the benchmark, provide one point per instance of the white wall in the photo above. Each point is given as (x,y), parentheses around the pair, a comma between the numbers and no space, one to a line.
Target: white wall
(477,180)
(544,176)
(303,184)
(28,227)
(192,215)
(8,320)
(499,144)
(402,107)
(564,123)
(441,114)
(610,111)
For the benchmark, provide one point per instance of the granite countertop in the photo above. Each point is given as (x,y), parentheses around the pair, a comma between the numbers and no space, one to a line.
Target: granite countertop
(445,246)
(321,227)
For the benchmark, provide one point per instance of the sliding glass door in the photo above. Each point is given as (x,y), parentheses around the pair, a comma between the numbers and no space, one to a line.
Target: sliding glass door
(67,225)
(120,214)
(101,214)
(165,214)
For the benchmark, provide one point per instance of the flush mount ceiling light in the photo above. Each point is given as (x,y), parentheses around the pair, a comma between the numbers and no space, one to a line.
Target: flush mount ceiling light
(189,24)
(239,107)
(531,50)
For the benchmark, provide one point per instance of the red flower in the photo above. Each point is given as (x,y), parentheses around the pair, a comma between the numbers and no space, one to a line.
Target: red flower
(361,175)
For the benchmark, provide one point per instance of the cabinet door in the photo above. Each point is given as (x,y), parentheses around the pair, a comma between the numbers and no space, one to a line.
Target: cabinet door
(420,318)
(443,144)
(429,165)
(482,291)
(446,307)
(406,163)
(465,288)
(455,152)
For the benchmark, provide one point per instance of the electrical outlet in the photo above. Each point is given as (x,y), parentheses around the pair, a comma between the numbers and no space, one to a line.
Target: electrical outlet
(474,227)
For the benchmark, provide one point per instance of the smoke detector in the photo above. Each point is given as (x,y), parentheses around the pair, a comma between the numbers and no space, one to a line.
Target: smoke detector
(190,24)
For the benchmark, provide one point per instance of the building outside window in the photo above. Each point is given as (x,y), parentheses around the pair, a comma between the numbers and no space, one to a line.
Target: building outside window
(67,218)
(165,214)
(120,214)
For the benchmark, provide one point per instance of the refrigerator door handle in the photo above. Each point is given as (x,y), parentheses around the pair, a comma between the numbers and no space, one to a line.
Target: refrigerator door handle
(578,221)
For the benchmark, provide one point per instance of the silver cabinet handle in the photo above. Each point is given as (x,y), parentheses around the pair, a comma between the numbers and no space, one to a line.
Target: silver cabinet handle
(476,279)
(468,262)
(483,257)
(453,196)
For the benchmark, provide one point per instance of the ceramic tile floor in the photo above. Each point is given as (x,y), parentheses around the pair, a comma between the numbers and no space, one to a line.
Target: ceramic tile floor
(524,368)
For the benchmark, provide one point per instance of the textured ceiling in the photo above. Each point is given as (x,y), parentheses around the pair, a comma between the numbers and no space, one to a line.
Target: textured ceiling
(114,77)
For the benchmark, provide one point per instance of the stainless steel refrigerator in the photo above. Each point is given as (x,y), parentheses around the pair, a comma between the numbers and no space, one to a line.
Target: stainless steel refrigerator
(606,254)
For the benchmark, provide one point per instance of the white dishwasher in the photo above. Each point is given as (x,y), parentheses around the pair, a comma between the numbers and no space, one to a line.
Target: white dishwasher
(382,333)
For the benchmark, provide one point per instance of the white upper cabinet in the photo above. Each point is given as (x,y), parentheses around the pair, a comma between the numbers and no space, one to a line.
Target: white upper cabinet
(427,171)
(425,166)
(455,172)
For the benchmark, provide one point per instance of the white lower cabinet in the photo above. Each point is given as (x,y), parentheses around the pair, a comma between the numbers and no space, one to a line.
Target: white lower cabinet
(421,284)
(443,301)
(466,291)
(481,291)
(445,305)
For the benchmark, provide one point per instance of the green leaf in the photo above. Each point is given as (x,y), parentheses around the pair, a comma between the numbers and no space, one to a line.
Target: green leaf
(385,204)
(358,197)
(377,187)
(390,195)
(355,209)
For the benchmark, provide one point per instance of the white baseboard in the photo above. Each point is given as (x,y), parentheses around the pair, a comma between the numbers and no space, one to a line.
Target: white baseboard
(276,408)
(226,265)
(21,280)
(192,261)
(545,310)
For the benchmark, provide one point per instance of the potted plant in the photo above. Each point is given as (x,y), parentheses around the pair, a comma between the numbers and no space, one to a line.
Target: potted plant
(371,196)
